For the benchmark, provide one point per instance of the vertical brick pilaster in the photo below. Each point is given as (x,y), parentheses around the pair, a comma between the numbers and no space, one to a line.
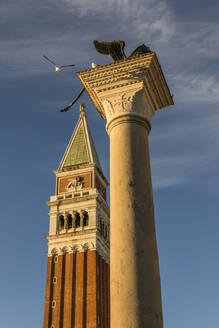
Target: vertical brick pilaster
(85,292)
(46,320)
(104,291)
(68,297)
(62,292)
(79,292)
(57,311)
(105,294)
(91,301)
(108,295)
(98,288)
(73,289)
(101,292)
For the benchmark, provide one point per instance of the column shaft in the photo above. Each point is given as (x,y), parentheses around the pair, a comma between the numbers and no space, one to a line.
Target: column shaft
(134,271)
(127,94)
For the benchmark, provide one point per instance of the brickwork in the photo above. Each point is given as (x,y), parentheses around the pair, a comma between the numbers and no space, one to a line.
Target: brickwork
(108,296)
(57,311)
(101,291)
(105,293)
(68,293)
(81,291)
(46,321)
(91,302)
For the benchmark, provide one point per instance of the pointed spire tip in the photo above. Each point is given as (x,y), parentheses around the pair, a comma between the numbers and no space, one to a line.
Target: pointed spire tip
(82,107)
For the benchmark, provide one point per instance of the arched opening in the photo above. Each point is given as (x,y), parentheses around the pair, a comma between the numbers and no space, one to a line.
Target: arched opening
(77,220)
(85,219)
(69,221)
(105,232)
(101,228)
(61,222)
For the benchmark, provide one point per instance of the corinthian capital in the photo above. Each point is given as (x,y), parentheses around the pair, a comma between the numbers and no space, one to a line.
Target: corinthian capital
(135,86)
(128,100)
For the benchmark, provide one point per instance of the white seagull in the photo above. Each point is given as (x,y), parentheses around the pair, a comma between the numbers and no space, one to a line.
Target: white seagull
(58,69)
(93,65)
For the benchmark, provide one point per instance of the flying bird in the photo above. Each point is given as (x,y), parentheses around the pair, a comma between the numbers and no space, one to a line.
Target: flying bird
(58,69)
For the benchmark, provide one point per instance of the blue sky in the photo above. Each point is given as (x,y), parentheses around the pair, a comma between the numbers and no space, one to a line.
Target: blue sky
(184,141)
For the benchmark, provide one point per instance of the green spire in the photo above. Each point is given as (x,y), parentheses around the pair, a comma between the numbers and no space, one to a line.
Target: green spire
(78,152)
(81,148)
(93,150)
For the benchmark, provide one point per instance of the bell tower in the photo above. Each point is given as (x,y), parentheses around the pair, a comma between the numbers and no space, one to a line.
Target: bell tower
(77,285)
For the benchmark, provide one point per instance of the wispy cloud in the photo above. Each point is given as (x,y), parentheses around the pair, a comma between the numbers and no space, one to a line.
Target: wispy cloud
(186,48)
(185,149)
(123,8)
(177,169)
(196,87)
(140,18)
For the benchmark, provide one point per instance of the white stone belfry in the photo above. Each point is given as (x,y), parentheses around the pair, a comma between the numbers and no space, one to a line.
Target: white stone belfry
(79,184)
(126,94)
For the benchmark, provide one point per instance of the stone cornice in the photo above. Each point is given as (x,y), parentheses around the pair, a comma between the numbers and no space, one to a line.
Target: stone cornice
(98,197)
(70,235)
(121,83)
(71,200)
(76,169)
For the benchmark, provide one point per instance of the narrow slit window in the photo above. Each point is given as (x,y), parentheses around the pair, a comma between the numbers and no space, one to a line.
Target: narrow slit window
(54,280)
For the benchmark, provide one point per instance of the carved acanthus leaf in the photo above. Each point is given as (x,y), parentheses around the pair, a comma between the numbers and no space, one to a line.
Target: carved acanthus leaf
(120,103)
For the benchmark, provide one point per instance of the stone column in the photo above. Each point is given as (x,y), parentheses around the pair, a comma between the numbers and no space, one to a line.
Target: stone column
(127,94)
(134,272)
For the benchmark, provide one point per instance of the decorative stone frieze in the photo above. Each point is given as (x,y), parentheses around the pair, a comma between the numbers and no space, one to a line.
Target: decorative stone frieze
(63,248)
